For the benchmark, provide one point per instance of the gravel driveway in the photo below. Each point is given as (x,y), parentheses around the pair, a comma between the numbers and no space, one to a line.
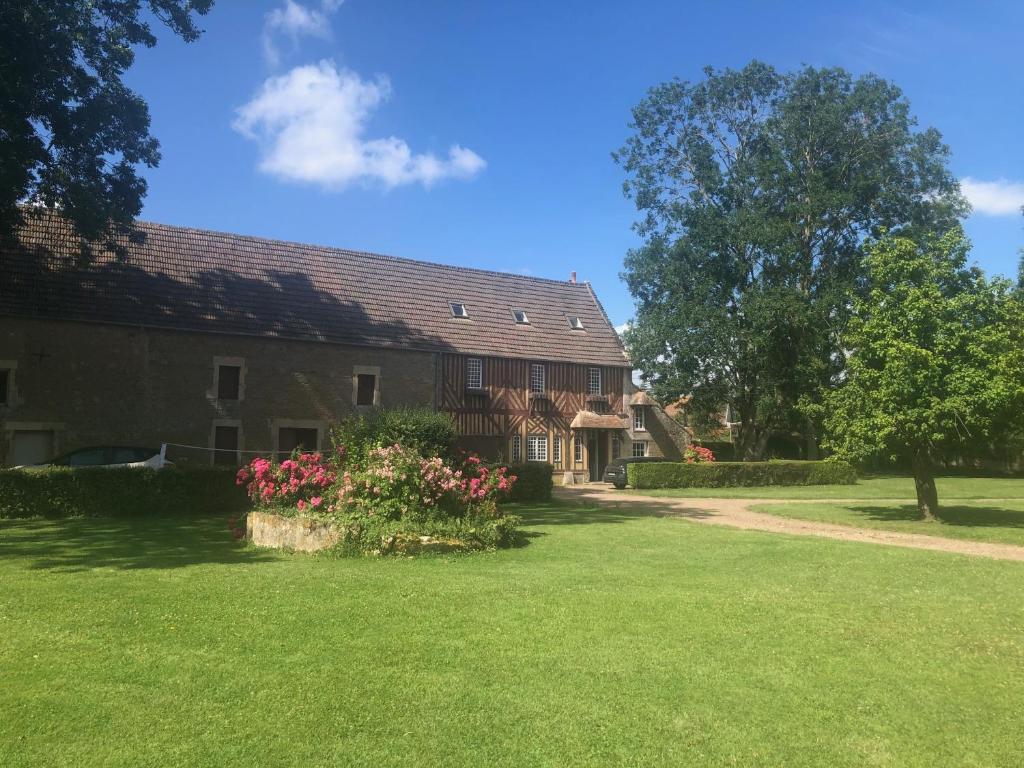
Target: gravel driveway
(737,513)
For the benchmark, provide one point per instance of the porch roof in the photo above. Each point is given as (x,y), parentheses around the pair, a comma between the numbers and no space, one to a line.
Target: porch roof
(591,420)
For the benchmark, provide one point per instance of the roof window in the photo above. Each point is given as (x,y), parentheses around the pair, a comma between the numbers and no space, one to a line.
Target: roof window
(575,323)
(459,309)
(520,316)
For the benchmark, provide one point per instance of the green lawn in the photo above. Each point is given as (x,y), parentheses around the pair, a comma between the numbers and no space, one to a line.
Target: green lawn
(610,638)
(1001,521)
(870,488)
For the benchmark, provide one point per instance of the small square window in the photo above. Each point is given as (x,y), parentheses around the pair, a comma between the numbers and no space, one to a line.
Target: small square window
(537,448)
(520,316)
(575,323)
(474,373)
(538,378)
(5,378)
(225,440)
(290,438)
(229,379)
(459,309)
(639,449)
(366,387)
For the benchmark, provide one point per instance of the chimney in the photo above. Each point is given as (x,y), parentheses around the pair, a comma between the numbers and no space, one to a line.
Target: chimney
(572,277)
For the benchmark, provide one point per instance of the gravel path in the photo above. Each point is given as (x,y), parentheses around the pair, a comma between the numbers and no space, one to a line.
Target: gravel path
(737,513)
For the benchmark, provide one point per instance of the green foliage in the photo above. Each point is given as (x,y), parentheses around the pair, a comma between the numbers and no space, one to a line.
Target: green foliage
(73,133)
(131,492)
(936,361)
(730,474)
(534,481)
(428,432)
(756,192)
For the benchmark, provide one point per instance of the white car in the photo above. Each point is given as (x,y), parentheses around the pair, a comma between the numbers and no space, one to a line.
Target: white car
(107,456)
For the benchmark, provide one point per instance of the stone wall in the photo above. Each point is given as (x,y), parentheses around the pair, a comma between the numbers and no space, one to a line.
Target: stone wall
(292,533)
(95,384)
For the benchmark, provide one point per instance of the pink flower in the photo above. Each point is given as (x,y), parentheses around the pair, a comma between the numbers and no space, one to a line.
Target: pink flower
(301,505)
(315,501)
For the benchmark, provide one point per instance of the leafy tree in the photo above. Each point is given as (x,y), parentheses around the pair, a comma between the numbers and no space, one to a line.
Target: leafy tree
(936,360)
(71,133)
(757,190)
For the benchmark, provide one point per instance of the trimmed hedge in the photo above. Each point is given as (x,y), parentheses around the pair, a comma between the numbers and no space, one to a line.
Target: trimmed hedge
(534,482)
(430,432)
(726,474)
(119,492)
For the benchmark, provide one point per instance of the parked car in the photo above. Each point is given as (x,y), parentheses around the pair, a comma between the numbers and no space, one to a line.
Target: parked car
(615,473)
(107,456)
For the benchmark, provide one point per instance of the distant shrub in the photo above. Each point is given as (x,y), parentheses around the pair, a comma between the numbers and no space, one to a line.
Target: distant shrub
(534,481)
(426,431)
(723,450)
(726,474)
(117,492)
(698,454)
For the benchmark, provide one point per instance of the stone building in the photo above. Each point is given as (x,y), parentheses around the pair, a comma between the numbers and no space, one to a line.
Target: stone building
(252,345)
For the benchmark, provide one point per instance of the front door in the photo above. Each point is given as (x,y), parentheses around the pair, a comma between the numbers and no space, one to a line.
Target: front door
(597,448)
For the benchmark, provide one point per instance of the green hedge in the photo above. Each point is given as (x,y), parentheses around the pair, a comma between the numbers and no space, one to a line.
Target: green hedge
(533,482)
(98,492)
(430,432)
(724,474)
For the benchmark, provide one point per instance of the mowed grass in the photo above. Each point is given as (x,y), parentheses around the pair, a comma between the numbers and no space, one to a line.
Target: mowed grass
(867,488)
(997,521)
(610,638)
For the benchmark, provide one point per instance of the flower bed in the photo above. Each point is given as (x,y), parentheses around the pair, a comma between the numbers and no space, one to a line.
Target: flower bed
(393,501)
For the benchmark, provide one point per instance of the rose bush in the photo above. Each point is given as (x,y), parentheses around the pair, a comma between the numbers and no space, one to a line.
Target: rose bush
(394,498)
(698,454)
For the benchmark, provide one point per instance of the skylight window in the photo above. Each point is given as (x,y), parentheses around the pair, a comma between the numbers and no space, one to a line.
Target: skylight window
(459,309)
(520,316)
(575,323)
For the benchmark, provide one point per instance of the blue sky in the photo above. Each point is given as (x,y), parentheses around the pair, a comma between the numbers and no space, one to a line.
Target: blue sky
(480,134)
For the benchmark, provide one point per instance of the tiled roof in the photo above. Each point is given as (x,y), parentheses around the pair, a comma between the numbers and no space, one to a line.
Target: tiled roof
(641,397)
(191,279)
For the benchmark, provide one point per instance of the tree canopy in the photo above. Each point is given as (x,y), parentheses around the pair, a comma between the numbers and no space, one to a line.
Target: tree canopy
(936,360)
(72,135)
(756,191)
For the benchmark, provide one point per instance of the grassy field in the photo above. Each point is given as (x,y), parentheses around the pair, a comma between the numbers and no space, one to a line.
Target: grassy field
(1000,521)
(609,638)
(870,488)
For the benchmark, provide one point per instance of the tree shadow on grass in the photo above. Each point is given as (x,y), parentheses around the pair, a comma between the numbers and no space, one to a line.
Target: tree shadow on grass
(81,544)
(971,517)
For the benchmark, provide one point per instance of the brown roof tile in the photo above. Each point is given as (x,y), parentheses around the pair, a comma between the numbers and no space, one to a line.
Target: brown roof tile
(199,280)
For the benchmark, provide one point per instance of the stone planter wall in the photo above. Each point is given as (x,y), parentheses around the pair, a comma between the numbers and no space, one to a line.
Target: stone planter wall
(294,533)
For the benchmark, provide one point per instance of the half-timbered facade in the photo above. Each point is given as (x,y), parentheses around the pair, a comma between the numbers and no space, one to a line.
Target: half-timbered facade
(248,345)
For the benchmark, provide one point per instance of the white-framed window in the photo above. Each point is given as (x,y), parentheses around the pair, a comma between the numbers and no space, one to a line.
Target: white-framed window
(365,385)
(520,316)
(639,449)
(459,309)
(639,420)
(575,323)
(556,451)
(616,447)
(594,381)
(577,449)
(537,448)
(8,390)
(538,378)
(517,448)
(229,379)
(474,373)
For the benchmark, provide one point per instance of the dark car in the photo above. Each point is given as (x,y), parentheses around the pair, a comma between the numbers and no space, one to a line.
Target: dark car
(108,456)
(615,473)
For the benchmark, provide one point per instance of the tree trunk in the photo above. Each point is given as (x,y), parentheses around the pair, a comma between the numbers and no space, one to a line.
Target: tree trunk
(924,483)
(811,436)
(750,441)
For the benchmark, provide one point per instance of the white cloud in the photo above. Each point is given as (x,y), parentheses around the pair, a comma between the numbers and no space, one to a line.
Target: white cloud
(621,329)
(295,20)
(994,198)
(310,124)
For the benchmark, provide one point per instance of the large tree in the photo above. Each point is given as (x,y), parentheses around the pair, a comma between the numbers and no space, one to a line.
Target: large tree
(72,135)
(936,361)
(756,191)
